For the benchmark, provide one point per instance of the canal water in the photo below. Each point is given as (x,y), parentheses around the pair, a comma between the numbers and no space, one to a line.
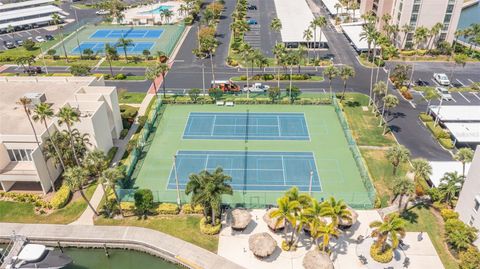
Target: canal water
(469,16)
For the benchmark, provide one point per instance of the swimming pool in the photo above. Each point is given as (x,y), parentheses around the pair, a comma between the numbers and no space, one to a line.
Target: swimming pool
(158,10)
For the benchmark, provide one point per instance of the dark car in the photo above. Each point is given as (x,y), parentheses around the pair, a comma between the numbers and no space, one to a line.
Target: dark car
(49,37)
(9,44)
(422,83)
(33,70)
(252,7)
(19,42)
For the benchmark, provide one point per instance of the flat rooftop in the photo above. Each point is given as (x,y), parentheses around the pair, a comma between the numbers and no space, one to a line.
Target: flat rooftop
(57,90)
(457,113)
(28,12)
(19,5)
(465,132)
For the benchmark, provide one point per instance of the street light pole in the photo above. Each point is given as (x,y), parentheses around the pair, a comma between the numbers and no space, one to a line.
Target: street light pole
(203,78)
(43,58)
(310,185)
(176,178)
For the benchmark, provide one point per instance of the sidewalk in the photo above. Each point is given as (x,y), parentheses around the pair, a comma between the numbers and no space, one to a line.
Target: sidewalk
(87,216)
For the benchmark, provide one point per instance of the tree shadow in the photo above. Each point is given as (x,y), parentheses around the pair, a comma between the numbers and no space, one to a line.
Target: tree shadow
(352,103)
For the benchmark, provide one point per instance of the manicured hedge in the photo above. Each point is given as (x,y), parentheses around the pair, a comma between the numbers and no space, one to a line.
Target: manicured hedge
(425,117)
(206,228)
(446,143)
(168,209)
(448,214)
(377,255)
(188,209)
(437,131)
(61,197)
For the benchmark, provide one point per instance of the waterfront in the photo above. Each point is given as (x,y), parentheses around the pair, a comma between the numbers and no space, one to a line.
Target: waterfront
(469,16)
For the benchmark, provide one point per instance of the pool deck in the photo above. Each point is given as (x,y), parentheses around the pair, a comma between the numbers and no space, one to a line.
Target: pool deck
(142,239)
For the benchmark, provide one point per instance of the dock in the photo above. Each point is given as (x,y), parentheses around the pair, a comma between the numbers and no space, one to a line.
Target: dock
(14,248)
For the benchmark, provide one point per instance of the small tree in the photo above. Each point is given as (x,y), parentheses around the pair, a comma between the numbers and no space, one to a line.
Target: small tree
(215,93)
(392,227)
(29,44)
(88,53)
(80,69)
(146,54)
(274,93)
(469,259)
(194,94)
(294,93)
(396,155)
(330,72)
(143,202)
(51,53)
(402,187)
(75,178)
(464,155)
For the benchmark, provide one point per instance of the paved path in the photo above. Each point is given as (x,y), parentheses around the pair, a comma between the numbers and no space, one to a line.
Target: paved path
(153,242)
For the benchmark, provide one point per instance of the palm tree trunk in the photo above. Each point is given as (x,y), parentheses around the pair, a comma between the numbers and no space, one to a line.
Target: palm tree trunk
(330,86)
(278,75)
(163,86)
(57,151)
(125,52)
(383,112)
(344,90)
(395,169)
(64,49)
(72,144)
(117,199)
(110,64)
(213,217)
(211,64)
(88,202)
(400,202)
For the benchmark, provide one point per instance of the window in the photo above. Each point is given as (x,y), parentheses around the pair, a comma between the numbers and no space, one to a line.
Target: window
(447,18)
(20,155)
(416,8)
(450,8)
(471,221)
(477,206)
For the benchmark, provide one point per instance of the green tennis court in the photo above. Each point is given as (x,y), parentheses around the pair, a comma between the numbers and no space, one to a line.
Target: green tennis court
(326,154)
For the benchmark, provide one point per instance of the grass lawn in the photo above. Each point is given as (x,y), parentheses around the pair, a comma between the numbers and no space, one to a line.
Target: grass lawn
(21,51)
(423,219)
(184,227)
(364,124)
(24,212)
(122,63)
(131,97)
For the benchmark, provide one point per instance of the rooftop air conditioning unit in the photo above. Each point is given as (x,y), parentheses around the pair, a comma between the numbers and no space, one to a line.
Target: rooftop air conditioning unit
(37,98)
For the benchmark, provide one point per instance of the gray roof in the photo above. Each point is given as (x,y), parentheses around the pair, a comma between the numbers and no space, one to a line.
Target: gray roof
(27,12)
(19,5)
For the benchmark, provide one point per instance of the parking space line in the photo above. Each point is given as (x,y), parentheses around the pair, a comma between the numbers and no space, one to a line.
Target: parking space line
(421,94)
(475,94)
(464,97)
(434,81)
(461,83)
(471,81)
(18,34)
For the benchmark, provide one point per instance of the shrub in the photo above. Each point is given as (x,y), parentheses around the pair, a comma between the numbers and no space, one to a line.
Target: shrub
(143,201)
(448,214)
(29,44)
(128,112)
(469,259)
(107,76)
(407,52)
(61,197)
(437,131)
(142,120)
(120,76)
(207,228)
(407,95)
(188,209)
(446,143)
(80,69)
(288,247)
(434,194)
(168,209)
(127,206)
(379,256)
(452,224)
(425,117)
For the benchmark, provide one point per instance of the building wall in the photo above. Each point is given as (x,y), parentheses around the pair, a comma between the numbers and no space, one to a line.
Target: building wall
(471,189)
(101,129)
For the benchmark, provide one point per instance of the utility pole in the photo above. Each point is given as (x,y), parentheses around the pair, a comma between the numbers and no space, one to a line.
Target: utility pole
(203,79)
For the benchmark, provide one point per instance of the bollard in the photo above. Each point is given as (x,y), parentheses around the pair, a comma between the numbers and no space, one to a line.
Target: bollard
(59,246)
(106,250)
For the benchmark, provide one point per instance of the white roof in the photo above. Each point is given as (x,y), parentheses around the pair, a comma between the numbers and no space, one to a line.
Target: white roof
(457,113)
(465,132)
(295,17)
(29,21)
(27,12)
(31,252)
(440,168)
(353,31)
(24,4)
(330,4)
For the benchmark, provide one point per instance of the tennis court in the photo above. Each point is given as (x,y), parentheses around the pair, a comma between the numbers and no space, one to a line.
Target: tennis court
(98,47)
(127,33)
(250,170)
(246,126)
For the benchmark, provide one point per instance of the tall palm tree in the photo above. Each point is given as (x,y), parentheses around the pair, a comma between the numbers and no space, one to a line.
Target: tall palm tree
(336,210)
(43,112)
(379,89)
(279,50)
(402,187)
(167,14)
(319,229)
(68,116)
(209,45)
(346,72)
(294,194)
(421,169)
(110,177)
(207,190)
(319,22)
(368,34)
(434,32)
(276,26)
(152,73)
(464,155)
(450,186)
(406,28)
(308,35)
(286,212)
(392,227)
(396,155)
(110,54)
(419,38)
(330,72)
(56,20)
(161,55)
(75,178)
(163,69)
(124,43)
(389,101)
(246,51)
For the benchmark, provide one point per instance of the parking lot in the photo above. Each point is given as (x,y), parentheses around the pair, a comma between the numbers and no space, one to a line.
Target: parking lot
(23,35)
(260,35)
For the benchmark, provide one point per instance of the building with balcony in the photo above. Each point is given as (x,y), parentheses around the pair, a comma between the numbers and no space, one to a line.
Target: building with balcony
(22,164)
(416,13)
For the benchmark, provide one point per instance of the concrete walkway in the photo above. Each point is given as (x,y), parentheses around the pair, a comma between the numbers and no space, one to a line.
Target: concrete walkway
(150,241)
(87,216)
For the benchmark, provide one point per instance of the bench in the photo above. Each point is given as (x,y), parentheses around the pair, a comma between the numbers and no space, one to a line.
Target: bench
(220,103)
(229,104)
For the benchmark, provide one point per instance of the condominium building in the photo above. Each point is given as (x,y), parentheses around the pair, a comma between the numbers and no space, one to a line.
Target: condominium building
(416,13)
(468,206)
(22,164)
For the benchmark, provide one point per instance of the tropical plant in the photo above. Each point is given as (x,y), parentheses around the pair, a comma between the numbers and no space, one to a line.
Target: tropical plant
(143,202)
(421,169)
(61,139)
(276,26)
(379,89)
(76,178)
(391,227)
(95,162)
(124,43)
(464,155)
(459,59)
(110,177)
(319,229)
(194,94)
(336,210)
(389,101)
(396,155)
(346,72)
(402,187)
(207,189)
(462,237)
(68,116)
(450,186)
(330,72)
(56,20)
(285,211)
(470,258)
(110,54)
(80,69)
(274,93)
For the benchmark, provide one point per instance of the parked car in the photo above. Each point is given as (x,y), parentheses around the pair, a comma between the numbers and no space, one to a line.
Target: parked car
(444,93)
(442,79)
(19,42)
(252,7)
(252,22)
(40,39)
(9,44)
(49,37)
(102,12)
(256,87)
(33,70)
(421,82)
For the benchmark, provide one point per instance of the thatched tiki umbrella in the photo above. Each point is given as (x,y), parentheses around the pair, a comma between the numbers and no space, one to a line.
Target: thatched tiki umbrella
(262,244)
(346,224)
(316,259)
(271,222)
(240,219)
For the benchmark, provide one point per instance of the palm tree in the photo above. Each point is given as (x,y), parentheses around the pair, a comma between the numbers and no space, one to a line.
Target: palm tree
(68,116)
(429,95)
(464,155)
(110,54)
(389,101)
(167,14)
(337,6)
(325,231)
(124,44)
(293,194)
(95,162)
(336,210)
(421,169)
(346,72)
(207,190)
(239,26)
(209,45)
(75,178)
(56,20)
(380,88)
(110,177)
(163,69)
(450,186)
(392,227)
(396,155)
(434,33)
(319,22)
(276,26)
(161,55)
(308,35)
(286,212)
(402,186)
(42,113)
(406,28)
(330,72)
(246,51)
(152,73)
(279,50)
(368,34)
(419,38)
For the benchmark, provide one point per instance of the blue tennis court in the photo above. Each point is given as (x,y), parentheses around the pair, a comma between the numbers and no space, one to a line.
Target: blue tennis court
(254,171)
(99,47)
(127,33)
(246,126)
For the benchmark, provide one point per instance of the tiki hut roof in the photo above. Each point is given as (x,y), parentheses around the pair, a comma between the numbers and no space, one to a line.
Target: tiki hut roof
(315,259)
(240,218)
(272,221)
(262,244)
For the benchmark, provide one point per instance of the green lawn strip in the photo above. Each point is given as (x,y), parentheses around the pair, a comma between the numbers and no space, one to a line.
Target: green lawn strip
(364,124)
(83,6)
(312,79)
(184,227)
(21,51)
(452,89)
(62,62)
(122,63)
(24,212)
(131,97)
(422,219)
